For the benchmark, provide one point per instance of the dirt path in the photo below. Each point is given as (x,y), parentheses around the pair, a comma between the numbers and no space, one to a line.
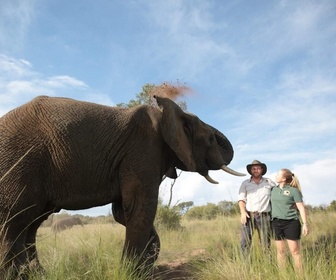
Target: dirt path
(172,272)
(179,269)
(167,272)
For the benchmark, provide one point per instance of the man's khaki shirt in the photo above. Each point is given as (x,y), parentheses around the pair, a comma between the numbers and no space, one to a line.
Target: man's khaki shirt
(257,197)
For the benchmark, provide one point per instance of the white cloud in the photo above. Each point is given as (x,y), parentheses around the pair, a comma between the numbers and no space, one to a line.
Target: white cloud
(11,67)
(305,21)
(15,19)
(64,81)
(101,98)
(19,83)
(194,187)
(317,182)
(185,37)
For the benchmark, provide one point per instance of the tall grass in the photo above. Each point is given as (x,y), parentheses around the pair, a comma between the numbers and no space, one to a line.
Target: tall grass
(225,262)
(210,250)
(89,252)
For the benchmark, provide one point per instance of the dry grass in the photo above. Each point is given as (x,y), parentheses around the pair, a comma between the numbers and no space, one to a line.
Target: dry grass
(201,250)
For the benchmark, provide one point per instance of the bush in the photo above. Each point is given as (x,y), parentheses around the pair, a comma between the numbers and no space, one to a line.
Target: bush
(167,218)
(205,212)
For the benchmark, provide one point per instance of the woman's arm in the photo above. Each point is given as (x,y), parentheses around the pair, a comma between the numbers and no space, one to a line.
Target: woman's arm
(302,209)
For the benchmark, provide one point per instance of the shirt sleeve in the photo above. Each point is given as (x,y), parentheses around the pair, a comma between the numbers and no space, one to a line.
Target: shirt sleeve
(242,193)
(297,195)
(271,183)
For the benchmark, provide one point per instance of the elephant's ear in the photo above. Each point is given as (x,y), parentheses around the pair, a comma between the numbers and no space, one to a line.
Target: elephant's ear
(173,131)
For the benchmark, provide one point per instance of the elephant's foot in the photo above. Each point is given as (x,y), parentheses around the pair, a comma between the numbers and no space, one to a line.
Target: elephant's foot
(34,266)
(13,272)
(153,247)
(146,263)
(21,271)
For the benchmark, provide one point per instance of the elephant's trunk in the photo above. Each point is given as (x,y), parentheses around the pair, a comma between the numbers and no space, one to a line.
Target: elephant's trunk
(226,153)
(224,143)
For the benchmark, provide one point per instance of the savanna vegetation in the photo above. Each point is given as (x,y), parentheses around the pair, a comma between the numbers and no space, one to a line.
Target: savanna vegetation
(197,242)
(206,247)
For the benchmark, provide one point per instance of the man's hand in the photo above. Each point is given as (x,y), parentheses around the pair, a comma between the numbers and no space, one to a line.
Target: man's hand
(243,217)
(270,182)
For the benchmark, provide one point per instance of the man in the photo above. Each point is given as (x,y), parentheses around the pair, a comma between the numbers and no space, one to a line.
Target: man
(254,205)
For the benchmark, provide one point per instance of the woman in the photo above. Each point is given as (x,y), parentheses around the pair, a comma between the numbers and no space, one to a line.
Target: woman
(286,201)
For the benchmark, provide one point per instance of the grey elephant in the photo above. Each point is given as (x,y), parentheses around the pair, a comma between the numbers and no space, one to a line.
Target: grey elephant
(59,153)
(65,223)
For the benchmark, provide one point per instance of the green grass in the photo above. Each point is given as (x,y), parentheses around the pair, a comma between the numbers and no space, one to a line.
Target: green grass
(209,250)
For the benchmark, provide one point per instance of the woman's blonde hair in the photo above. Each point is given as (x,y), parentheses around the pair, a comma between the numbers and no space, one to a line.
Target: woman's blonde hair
(291,179)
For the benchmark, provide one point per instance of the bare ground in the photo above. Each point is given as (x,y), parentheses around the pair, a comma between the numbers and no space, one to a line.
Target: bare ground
(169,272)
(179,269)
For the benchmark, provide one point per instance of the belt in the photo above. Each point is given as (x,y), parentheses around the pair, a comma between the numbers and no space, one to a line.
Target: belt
(257,214)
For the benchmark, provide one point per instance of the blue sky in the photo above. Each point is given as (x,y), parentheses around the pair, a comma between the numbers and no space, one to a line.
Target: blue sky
(263,72)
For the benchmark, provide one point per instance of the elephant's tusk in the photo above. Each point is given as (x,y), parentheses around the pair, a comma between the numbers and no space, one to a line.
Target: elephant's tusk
(209,179)
(231,171)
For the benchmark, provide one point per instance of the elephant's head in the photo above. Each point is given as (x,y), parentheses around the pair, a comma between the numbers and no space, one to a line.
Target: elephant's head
(199,146)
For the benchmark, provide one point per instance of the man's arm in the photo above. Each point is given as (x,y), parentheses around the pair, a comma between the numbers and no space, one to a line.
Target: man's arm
(243,214)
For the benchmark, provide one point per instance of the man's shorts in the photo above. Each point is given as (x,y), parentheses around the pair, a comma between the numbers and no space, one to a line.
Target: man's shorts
(286,229)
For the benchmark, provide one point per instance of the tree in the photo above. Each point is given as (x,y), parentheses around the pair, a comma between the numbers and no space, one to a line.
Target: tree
(332,206)
(228,207)
(167,218)
(205,212)
(171,189)
(144,97)
(141,98)
(184,207)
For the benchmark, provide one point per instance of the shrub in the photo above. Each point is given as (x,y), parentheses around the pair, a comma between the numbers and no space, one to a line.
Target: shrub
(206,212)
(167,218)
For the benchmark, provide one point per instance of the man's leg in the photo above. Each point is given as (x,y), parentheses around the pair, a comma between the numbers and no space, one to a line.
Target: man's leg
(265,231)
(246,237)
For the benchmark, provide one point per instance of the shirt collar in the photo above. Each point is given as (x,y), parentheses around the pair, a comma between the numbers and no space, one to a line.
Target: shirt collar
(262,179)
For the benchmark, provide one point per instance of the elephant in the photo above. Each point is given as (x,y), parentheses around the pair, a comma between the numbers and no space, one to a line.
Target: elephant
(60,153)
(65,223)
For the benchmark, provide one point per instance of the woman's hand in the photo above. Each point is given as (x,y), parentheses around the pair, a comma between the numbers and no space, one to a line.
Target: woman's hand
(305,230)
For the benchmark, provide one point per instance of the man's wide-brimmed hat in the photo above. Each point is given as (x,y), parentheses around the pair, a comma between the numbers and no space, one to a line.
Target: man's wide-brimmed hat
(256,162)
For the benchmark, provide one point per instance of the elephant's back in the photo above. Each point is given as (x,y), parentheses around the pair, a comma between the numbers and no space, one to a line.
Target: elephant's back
(64,141)
(46,131)
(50,114)
(52,118)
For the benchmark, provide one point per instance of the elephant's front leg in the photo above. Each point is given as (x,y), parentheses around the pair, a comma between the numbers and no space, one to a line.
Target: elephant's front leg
(142,240)
(153,247)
